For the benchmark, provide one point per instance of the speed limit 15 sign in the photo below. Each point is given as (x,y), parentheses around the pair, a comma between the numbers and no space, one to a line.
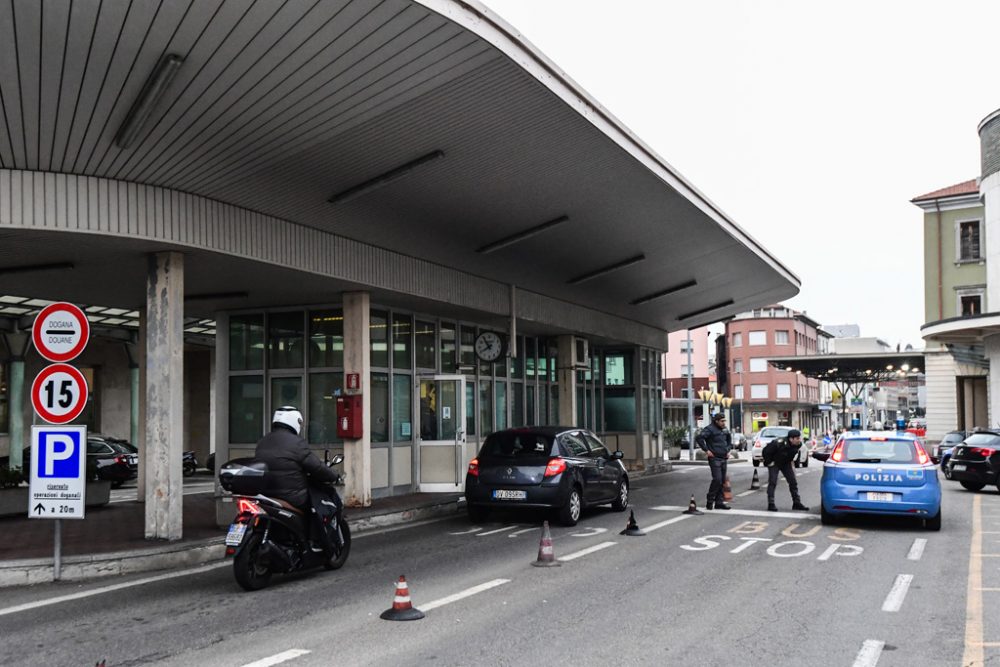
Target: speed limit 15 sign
(59,393)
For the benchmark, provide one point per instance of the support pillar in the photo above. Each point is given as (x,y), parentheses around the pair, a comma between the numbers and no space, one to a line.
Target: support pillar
(164,395)
(140,431)
(993,354)
(134,386)
(224,510)
(17,343)
(567,381)
(357,359)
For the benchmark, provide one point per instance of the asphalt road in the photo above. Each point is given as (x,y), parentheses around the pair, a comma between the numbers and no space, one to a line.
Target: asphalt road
(739,587)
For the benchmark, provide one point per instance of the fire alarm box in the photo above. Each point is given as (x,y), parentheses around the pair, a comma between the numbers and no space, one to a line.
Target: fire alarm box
(349,411)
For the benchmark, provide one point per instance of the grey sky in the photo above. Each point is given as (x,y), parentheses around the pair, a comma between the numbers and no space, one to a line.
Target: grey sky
(812,124)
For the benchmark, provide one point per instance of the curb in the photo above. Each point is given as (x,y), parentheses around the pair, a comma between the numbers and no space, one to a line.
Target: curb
(30,571)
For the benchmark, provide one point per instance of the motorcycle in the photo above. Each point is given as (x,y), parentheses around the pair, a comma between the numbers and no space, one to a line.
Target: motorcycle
(271,536)
(190,464)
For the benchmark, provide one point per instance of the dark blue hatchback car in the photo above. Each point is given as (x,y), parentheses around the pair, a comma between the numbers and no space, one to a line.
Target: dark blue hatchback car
(884,473)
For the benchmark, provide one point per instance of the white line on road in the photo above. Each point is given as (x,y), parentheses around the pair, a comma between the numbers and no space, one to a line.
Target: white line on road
(657,526)
(107,589)
(917,550)
(522,531)
(869,654)
(498,530)
(894,600)
(463,594)
(747,493)
(588,550)
(278,658)
(685,469)
(784,515)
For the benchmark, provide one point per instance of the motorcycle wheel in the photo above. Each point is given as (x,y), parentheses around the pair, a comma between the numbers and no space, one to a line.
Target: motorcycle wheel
(189,469)
(338,561)
(250,573)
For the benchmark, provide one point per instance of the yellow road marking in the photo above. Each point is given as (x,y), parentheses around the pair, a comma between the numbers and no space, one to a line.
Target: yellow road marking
(973,655)
(990,589)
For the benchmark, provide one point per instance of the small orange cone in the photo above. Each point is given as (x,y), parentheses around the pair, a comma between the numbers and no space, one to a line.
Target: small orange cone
(632,529)
(755,482)
(546,554)
(727,491)
(401,609)
(692,507)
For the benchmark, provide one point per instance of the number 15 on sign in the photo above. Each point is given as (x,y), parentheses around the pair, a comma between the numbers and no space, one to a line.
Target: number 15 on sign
(59,393)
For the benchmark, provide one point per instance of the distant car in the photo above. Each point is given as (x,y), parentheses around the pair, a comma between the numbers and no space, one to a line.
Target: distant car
(107,460)
(950,439)
(917,427)
(559,468)
(975,463)
(874,472)
(770,433)
(740,442)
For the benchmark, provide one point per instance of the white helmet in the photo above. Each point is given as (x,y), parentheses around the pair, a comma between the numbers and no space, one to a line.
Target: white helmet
(290,417)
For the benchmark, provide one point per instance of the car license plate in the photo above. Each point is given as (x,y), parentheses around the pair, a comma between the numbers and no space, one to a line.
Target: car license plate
(235,534)
(958,466)
(884,497)
(504,494)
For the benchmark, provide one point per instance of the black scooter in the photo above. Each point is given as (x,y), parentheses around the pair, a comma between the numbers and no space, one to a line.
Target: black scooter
(189,464)
(271,536)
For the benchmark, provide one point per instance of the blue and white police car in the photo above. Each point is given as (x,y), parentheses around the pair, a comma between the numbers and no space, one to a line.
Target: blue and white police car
(879,472)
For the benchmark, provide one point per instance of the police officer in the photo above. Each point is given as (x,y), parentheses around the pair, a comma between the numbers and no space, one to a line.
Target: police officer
(778,456)
(716,442)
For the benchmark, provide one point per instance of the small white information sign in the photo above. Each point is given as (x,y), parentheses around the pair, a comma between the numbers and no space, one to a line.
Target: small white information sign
(58,472)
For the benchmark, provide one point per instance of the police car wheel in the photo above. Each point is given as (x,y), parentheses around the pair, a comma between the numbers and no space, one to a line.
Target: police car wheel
(825,517)
(933,523)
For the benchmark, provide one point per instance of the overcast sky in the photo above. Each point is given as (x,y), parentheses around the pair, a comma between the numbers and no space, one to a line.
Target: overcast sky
(811,124)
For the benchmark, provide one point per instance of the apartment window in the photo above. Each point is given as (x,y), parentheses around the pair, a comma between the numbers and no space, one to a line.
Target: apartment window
(969,301)
(738,366)
(684,345)
(738,391)
(758,365)
(968,241)
(783,390)
(781,338)
(758,391)
(758,338)
(738,339)
(686,371)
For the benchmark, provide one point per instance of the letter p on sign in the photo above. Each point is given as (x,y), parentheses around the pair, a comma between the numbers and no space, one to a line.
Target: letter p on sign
(57,456)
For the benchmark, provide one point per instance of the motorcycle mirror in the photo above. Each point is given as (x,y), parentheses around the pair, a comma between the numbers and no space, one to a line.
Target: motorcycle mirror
(336,460)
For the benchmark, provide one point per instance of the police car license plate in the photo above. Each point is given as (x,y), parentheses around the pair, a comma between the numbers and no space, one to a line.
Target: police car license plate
(958,466)
(235,534)
(504,494)
(884,497)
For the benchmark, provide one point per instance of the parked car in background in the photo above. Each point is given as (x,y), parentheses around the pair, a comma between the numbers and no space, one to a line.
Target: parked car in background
(765,436)
(874,472)
(950,439)
(552,467)
(740,442)
(975,463)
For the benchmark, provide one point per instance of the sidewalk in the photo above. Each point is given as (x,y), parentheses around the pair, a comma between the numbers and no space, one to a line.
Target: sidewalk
(110,541)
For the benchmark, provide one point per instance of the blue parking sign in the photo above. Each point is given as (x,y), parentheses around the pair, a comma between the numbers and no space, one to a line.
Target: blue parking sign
(58,486)
(59,453)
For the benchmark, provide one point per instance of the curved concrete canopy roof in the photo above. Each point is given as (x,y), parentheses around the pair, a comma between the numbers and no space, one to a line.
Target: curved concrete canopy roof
(965,330)
(278,107)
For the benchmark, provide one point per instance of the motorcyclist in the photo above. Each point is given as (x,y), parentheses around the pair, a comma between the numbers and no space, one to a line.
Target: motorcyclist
(292,465)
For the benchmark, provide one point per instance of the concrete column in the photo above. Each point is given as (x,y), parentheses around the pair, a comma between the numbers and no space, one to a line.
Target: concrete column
(140,431)
(164,395)
(133,371)
(357,359)
(993,354)
(566,375)
(17,343)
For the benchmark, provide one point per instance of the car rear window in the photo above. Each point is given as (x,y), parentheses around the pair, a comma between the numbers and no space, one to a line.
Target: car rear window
(982,440)
(516,446)
(880,451)
(952,438)
(774,432)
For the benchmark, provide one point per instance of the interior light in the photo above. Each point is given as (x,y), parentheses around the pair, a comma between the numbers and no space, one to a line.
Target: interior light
(152,92)
(365,187)
(905,367)
(522,235)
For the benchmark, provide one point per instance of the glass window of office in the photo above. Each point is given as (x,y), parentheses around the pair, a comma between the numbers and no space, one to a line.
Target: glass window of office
(4,400)
(619,409)
(617,368)
(246,409)
(380,407)
(485,408)
(323,390)
(467,353)
(246,342)
(285,340)
(326,339)
(402,408)
(402,337)
(448,350)
(378,335)
(424,345)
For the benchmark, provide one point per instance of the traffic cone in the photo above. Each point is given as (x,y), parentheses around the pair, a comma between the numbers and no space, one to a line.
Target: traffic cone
(727,491)
(401,609)
(692,507)
(755,482)
(546,554)
(632,529)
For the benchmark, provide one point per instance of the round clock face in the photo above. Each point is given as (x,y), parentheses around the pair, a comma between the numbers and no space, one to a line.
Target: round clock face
(489,346)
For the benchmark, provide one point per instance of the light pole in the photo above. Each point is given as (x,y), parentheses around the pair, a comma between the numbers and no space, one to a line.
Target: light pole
(690,390)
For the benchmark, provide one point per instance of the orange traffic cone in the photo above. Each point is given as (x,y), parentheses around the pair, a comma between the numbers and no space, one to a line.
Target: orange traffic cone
(692,507)
(727,491)
(755,482)
(546,554)
(632,529)
(401,609)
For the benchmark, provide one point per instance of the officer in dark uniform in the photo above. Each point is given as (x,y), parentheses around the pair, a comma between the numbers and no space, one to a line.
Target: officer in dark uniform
(716,441)
(778,456)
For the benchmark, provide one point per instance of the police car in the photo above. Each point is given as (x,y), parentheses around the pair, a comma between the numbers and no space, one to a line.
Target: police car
(878,472)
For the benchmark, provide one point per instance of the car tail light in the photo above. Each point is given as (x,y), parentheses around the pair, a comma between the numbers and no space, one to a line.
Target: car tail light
(555,466)
(982,451)
(474,467)
(922,457)
(838,452)
(248,506)
(121,459)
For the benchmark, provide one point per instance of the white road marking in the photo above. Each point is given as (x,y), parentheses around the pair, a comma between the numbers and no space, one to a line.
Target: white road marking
(917,550)
(588,550)
(278,658)
(657,526)
(869,654)
(736,512)
(894,600)
(498,530)
(594,531)
(522,531)
(747,493)
(108,589)
(463,594)
(474,529)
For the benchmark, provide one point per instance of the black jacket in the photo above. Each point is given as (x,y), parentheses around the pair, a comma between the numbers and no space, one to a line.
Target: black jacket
(780,452)
(290,463)
(716,440)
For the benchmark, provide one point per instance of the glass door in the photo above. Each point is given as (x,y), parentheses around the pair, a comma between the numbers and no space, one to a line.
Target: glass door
(443,458)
